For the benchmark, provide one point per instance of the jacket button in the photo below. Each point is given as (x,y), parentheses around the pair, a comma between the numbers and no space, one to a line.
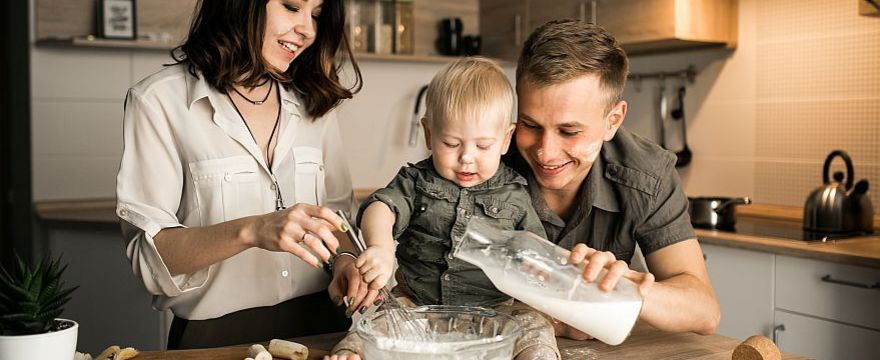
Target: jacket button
(423,208)
(449,256)
(494,210)
(446,277)
(612,171)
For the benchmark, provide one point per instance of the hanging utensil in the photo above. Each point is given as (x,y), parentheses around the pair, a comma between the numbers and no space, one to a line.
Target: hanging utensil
(683,156)
(414,122)
(663,111)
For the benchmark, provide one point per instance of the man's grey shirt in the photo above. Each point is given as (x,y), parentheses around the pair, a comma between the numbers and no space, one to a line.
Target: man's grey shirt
(632,195)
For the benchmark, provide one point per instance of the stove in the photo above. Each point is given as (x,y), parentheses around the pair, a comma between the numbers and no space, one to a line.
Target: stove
(787,230)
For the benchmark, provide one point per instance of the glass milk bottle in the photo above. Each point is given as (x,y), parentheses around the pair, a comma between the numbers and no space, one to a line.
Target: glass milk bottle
(536,272)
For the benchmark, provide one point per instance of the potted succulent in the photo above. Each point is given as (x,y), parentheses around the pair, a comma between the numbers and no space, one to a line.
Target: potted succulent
(31,299)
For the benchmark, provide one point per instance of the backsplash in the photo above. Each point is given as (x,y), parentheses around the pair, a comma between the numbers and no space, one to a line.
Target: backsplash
(803,81)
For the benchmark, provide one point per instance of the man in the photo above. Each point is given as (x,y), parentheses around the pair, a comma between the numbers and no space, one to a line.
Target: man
(600,189)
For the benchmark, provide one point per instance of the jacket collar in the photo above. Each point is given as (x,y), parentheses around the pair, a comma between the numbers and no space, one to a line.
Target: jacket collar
(504,176)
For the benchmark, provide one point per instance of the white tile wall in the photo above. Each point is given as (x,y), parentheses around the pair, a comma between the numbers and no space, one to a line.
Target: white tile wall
(78,96)
(803,80)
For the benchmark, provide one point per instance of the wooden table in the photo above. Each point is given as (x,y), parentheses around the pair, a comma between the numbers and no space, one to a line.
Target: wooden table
(644,343)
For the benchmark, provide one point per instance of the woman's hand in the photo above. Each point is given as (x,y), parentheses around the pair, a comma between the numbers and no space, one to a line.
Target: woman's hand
(348,287)
(376,265)
(343,355)
(303,230)
(598,260)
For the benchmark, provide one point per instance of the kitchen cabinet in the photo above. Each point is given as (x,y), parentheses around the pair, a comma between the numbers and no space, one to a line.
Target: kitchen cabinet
(541,12)
(811,307)
(744,288)
(823,339)
(827,310)
(503,27)
(641,26)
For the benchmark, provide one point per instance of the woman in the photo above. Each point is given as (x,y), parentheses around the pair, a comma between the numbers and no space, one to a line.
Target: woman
(231,170)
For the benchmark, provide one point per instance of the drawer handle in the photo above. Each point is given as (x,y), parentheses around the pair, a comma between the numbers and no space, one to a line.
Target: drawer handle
(776,330)
(828,279)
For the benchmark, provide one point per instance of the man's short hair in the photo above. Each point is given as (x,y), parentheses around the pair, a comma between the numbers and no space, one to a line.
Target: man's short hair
(562,50)
(473,88)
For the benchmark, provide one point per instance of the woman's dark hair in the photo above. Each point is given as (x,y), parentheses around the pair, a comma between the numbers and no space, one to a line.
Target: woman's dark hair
(225,44)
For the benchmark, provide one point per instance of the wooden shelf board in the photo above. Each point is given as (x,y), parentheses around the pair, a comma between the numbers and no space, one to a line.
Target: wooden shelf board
(165,46)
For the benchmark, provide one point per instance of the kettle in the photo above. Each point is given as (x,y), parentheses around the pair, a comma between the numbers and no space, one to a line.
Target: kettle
(837,207)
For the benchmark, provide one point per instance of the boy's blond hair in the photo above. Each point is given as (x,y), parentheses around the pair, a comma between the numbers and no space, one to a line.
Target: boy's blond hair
(473,88)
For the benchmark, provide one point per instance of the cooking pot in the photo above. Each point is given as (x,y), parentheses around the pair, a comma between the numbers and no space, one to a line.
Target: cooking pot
(715,212)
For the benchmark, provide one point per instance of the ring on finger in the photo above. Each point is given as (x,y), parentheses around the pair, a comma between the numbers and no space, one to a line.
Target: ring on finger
(303,238)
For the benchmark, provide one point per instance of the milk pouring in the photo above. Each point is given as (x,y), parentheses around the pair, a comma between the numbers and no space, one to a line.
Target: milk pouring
(536,272)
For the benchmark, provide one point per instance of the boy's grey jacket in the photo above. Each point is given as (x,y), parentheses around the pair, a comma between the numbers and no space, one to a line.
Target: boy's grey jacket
(431,216)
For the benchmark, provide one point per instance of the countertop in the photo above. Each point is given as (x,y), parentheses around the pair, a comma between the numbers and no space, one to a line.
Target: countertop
(864,251)
(645,342)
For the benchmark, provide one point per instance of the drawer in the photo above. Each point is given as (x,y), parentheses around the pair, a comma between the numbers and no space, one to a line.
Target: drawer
(814,288)
(822,339)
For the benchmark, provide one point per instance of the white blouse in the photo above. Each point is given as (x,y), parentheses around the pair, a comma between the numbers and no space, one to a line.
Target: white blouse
(189,161)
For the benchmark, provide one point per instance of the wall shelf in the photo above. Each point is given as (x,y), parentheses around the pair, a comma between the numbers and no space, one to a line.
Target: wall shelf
(156,45)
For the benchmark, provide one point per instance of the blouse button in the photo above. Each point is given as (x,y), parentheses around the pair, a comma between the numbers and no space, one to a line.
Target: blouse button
(284,273)
(227,177)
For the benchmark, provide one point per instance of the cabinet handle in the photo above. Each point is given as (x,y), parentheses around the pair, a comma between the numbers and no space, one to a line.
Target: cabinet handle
(583,11)
(517,29)
(776,330)
(594,10)
(874,286)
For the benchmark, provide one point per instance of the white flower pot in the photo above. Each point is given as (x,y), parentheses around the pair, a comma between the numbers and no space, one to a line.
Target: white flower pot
(56,345)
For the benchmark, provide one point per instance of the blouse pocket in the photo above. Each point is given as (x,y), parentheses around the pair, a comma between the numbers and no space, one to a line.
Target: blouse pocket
(309,167)
(227,188)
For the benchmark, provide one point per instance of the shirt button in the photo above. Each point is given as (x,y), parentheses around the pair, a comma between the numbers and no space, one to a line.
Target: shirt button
(227,177)
(285,273)
(446,277)
(272,187)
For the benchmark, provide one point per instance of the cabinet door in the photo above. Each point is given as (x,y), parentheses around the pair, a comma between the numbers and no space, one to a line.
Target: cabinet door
(743,284)
(635,21)
(503,27)
(541,12)
(837,292)
(821,339)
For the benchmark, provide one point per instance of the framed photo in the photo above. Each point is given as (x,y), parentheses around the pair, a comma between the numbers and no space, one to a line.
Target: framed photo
(117,19)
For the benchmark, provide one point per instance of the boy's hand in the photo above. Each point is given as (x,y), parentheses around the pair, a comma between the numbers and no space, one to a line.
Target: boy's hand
(376,265)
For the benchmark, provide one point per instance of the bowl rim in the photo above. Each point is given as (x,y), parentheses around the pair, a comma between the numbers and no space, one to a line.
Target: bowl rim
(459,346)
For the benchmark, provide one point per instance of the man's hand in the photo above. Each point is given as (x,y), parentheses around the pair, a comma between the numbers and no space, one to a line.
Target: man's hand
(597,260)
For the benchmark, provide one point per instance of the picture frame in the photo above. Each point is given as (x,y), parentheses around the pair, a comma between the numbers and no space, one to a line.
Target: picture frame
(117,19)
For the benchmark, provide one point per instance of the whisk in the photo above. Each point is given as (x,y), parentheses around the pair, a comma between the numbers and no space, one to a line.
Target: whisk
(401,324)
